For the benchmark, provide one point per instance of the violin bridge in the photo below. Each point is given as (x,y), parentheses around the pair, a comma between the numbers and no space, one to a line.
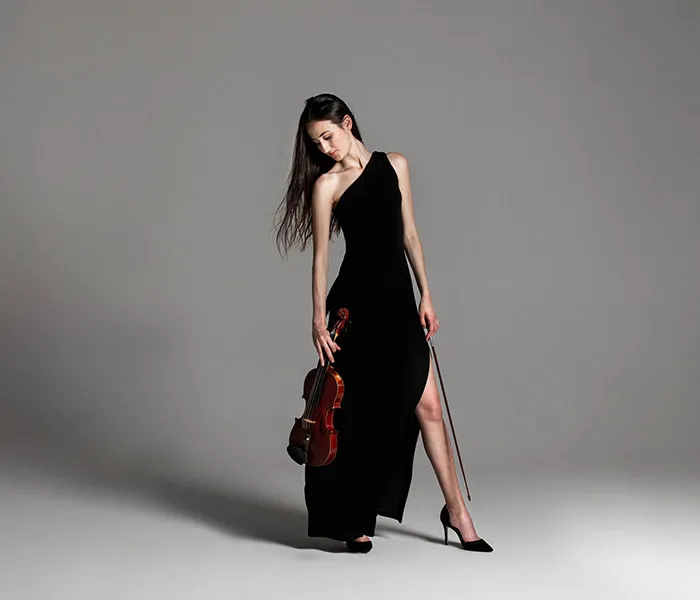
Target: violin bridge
(308,421)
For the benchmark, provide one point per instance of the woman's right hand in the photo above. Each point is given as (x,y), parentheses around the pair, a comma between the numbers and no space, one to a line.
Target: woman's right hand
(323,342)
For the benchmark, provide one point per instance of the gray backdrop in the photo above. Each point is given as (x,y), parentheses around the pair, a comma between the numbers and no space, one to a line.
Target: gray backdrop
(147,322)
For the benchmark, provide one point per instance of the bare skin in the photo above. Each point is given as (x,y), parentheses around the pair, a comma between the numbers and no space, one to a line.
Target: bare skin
(439,450)
(437,446)
(351,155)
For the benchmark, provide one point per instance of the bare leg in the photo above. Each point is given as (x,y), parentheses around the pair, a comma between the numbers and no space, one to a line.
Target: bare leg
(439,450)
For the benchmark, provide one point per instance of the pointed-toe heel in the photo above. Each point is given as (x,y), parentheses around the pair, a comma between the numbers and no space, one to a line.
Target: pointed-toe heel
(479,545)
(357,546)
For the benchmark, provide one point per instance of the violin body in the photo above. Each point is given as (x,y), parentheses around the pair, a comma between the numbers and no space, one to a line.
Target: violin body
(315,433)
(313,440)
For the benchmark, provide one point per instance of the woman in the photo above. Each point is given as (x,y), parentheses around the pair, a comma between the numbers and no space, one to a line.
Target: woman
(336,184)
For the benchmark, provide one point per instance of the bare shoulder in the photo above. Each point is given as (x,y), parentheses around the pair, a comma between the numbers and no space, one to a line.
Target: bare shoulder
(399,162)
(324,187)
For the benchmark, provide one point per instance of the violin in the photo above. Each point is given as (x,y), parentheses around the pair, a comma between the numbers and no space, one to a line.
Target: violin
(313,440)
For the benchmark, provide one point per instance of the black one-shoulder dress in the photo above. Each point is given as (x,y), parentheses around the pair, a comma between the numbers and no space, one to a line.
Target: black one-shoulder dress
(384,363)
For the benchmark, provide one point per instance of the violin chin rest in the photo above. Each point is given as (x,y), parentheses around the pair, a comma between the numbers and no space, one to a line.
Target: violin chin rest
(297,454)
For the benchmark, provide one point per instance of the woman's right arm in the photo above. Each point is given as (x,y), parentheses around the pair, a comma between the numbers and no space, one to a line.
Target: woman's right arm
(321,204)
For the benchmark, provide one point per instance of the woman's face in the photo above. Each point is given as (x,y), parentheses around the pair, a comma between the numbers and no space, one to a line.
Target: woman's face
(329,138)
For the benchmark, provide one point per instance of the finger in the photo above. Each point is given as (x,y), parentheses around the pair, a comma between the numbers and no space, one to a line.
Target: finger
(330,353)
(319,352)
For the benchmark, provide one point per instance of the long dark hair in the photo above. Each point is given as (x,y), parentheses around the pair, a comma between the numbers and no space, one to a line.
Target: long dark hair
(308,163)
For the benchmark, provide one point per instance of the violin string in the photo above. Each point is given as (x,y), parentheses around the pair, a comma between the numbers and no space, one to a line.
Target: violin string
(318,379)
(307,408)
(315,393)
(313,402)
(313,398)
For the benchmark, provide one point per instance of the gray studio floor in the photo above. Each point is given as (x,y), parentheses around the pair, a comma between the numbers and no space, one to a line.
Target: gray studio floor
(612,533)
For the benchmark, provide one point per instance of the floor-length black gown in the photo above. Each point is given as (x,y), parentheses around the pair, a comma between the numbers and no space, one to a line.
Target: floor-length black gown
(384,362)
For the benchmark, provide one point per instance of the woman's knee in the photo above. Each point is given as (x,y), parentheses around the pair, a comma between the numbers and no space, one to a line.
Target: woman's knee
(429,407)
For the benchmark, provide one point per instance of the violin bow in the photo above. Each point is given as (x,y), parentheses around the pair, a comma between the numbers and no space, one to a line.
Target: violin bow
(444,395)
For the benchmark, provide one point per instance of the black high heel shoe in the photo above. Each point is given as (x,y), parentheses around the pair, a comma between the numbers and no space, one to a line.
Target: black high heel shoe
(357,546)
(475,545)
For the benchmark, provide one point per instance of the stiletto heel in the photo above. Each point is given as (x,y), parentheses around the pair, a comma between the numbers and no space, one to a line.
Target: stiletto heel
(357,546)
(479,545)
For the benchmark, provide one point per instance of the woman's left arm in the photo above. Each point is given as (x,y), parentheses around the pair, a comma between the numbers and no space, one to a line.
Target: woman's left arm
(412,244)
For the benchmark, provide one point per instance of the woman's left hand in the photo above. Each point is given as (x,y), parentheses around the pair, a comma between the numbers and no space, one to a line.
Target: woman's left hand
(428,318)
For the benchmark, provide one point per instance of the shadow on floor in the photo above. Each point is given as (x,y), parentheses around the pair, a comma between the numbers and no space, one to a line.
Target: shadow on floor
(401,530)
(242,514)
(251,516)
